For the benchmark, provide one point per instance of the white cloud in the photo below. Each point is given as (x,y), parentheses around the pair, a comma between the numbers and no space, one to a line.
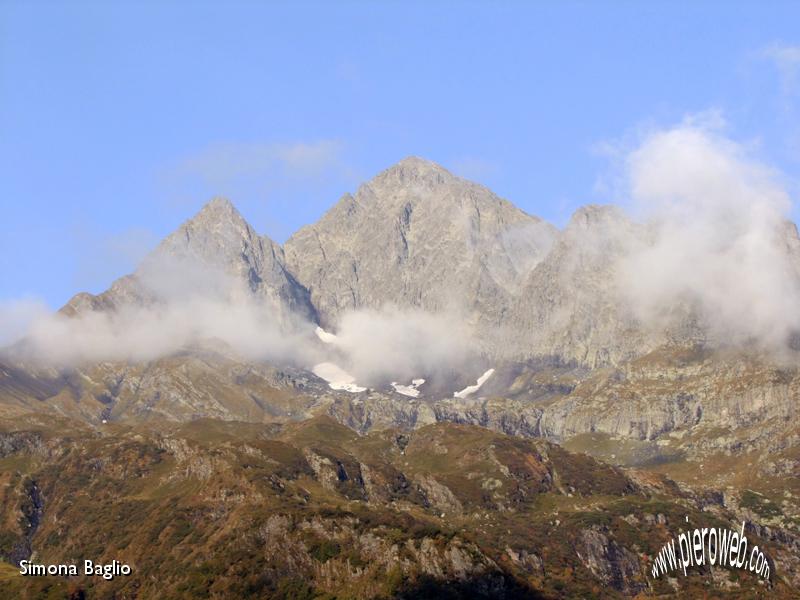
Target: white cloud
(279,186)
(16,317)
(786,59)
(400,345)
(475,169)
(222,163)
(190,303)
(102,258)
(138,333)
(720,241)
(785,56)
(375,346)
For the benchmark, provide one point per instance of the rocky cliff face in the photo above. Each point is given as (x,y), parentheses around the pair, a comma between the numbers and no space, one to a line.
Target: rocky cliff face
(308,509)
(543,304)
(417,236)
(209,438)
(570,306)
(215,255)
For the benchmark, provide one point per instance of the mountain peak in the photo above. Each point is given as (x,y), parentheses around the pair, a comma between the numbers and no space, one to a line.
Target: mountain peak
(415,169)
(218,203)
(594,215)
(216,210)
(214,255)
(417,162)
(416,236)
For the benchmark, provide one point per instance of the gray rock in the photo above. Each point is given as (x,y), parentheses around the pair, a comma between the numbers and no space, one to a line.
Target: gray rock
(418,236)
(216,254)
(611,563)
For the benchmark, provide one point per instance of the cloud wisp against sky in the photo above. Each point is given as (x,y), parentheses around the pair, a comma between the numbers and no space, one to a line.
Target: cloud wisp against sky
(180,303)
(719,237)
(224,164)
(254,84)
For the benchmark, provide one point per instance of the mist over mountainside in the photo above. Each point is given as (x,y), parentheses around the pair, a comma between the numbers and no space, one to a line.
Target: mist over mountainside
(418,236)
(422,272)
(217,255)
(422,276)
(660,337)
(399,301)
(710,260)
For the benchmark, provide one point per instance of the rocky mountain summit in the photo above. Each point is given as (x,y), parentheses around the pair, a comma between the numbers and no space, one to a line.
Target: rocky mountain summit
(539,303)
(215,254)
(418,236)
(478,458)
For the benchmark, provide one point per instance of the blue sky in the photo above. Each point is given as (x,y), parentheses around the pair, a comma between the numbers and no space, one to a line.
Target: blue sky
(118,122)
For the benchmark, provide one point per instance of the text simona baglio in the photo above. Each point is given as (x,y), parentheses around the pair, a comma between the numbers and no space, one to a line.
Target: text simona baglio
(107,571)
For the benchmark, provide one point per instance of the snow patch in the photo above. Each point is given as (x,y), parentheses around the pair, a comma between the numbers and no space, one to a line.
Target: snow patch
(411,391)
(471,389)
(337,378)
(328,338)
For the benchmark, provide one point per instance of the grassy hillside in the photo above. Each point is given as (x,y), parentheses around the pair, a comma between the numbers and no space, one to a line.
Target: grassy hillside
(211,509)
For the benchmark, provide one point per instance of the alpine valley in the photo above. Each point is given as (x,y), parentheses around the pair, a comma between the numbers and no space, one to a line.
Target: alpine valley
(428,393)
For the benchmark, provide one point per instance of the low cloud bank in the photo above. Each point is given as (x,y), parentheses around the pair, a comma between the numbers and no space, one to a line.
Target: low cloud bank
(17,316)
(719,239)
(400,345)
(713,241)
(374,346)
(146,333)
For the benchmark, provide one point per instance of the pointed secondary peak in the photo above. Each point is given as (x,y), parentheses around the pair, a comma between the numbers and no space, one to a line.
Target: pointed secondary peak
(593,215)
(218,208)
(218,228)
(219,214)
